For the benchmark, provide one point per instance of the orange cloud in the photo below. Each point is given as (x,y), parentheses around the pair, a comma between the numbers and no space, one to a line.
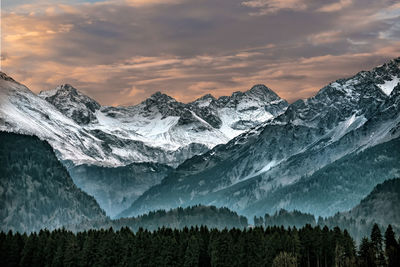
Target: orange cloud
(325,37)
(335,6)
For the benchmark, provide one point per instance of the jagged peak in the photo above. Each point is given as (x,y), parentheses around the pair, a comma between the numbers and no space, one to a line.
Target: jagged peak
(384,77)
(67,87)
(159,98)
(60,88)
(204,100)
(206,96)
(262,91)
(260,88)
(394,62)
(159,95)
(72,102)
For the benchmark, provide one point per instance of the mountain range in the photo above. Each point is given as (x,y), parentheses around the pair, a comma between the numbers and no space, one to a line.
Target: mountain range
(251,152)
(160,132)
(344,118)
(160,129)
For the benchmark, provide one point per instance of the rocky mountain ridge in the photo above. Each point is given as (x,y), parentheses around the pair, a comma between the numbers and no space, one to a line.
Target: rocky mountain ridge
(346,116)
(160,129)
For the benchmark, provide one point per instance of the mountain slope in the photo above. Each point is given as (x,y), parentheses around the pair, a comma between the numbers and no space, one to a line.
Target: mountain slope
(36,191)
(116,188)
(345,116)
(380,206)
(337,186)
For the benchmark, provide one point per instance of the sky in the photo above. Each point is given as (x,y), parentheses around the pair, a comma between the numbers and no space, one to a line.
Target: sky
(120,52)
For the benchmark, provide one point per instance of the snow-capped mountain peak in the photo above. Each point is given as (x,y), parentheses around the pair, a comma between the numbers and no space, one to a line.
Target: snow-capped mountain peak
(72,103)
(204,101)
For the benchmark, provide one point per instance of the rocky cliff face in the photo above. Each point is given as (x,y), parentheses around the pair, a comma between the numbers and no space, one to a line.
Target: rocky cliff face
(72,103)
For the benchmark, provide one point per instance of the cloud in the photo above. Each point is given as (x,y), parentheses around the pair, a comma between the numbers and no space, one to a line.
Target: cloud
(272,6)
(120,52)
(144,3)
(334,7)
(325,37)
(391,16)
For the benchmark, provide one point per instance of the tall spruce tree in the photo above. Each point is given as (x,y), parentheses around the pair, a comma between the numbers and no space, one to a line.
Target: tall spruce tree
(376,240)
(284,259)
(391,248)
(366,253)
(192,253)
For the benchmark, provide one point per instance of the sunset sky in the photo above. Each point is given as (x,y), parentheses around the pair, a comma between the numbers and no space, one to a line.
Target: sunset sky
(120,52)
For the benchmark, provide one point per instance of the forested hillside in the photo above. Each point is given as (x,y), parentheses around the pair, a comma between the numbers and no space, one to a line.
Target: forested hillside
(36,191)
(380,207)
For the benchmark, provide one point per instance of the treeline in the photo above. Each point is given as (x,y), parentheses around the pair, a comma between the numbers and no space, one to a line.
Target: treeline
(272,246)
(358,228)
(177,218)
(285,218)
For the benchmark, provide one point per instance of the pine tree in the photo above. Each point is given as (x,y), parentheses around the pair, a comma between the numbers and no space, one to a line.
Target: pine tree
(58,258)
(255,247)
(295,243)
(366,253)
(49,250)
(28,256)
(391,248)
(12,248)
(169,251)
(221,250)
(71,253)
(284,259)
(192,253)
(376,240)
(339,256)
